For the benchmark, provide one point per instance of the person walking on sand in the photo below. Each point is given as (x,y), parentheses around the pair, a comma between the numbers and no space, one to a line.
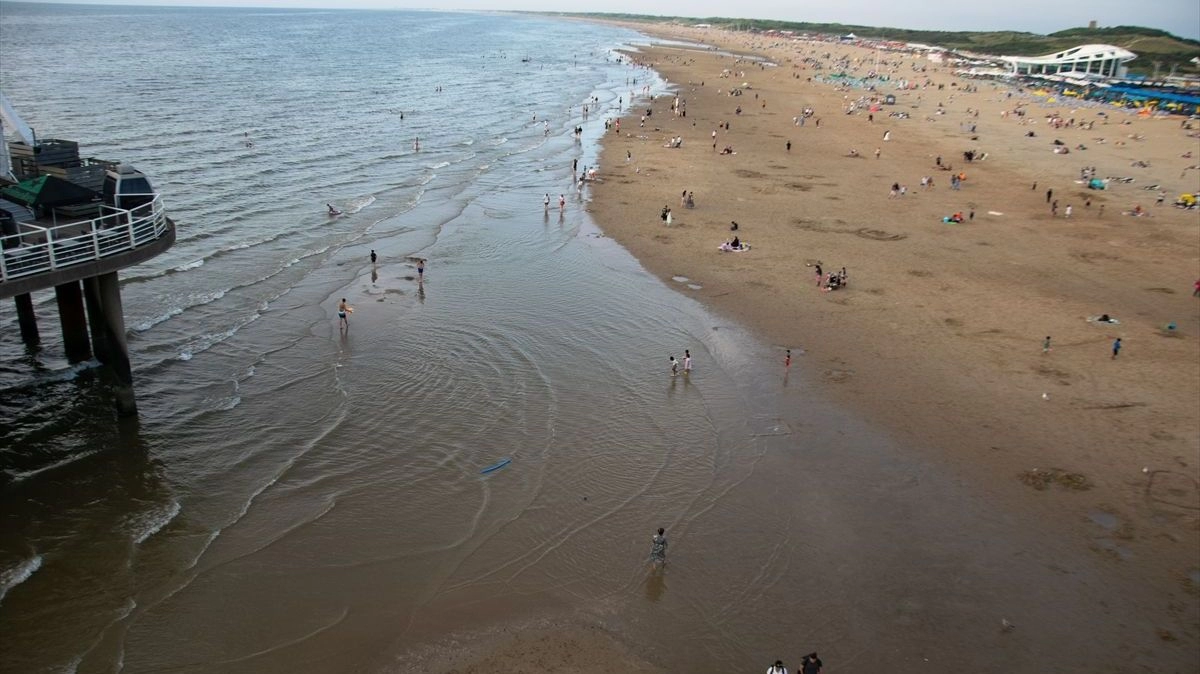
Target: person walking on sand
(344,310)
(777,668)
(658,549)
(1116,348)
(1049,194)
(818,266)
(1067,212)
(787,359)
(1046,344)
(789,146)
(687,362)
(811,664)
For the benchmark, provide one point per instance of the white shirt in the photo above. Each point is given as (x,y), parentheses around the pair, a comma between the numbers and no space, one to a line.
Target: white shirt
(777,670)
(687,364)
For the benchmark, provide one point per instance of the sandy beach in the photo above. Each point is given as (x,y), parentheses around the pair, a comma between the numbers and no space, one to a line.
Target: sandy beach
(939,334)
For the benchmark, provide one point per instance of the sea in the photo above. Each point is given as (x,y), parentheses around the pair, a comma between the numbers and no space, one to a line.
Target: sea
(295,496)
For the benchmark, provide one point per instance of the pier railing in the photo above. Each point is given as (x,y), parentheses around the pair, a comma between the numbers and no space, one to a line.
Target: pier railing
(38,249)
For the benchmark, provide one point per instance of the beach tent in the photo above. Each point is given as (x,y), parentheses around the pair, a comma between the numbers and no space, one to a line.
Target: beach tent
(48,191)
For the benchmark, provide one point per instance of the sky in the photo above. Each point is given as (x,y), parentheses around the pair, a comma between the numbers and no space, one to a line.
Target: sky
(1181,17)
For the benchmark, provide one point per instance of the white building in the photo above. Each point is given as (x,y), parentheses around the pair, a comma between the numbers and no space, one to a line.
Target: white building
(1103,60)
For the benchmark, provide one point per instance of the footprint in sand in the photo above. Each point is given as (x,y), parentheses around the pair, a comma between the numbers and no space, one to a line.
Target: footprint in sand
(878,234)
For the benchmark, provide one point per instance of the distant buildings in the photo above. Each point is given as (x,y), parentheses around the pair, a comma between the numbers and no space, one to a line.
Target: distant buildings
(1094,60)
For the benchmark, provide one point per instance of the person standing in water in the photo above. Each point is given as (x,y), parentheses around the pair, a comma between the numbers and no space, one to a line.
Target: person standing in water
(674,366)
(373,257)
(344,310)
(687,362)
(658,549)
(420,270)
(546,202)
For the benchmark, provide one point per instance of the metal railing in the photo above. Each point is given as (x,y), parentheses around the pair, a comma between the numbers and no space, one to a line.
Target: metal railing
(37,249)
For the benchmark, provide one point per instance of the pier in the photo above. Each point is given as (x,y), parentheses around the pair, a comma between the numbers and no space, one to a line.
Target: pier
(80,259)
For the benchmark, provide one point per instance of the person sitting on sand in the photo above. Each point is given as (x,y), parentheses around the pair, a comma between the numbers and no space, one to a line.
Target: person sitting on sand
(736,243)
(727,150)
(733,225)
(852,153)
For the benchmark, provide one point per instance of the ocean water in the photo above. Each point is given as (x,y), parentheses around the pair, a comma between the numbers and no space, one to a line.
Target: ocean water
(295,497)
(270,439)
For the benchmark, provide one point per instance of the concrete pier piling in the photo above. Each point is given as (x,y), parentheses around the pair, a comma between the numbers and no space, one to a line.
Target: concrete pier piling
(74,326)
(28,321)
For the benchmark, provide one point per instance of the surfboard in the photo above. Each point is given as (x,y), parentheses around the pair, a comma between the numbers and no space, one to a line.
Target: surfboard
(495,466)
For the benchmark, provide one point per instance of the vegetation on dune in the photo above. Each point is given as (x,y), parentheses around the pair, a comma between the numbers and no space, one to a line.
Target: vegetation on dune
(1153,46)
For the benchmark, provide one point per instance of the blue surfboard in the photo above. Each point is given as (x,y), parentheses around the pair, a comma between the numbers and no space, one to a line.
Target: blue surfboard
(495,466)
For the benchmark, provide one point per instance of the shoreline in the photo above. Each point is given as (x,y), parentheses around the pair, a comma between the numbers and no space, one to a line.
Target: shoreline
(938,336)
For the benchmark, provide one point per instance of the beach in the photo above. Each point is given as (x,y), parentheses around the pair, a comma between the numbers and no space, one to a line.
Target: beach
(469,473)
(1085,462)
(940,330)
